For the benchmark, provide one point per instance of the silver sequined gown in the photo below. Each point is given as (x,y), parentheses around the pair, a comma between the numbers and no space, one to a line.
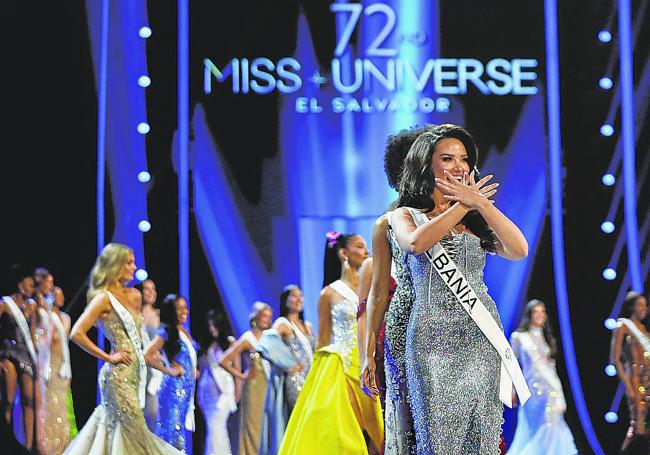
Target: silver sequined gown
(400,437)
(452,369)
(117,425)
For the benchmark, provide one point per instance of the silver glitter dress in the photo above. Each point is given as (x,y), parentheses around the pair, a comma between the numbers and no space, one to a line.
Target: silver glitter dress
(117,425)
(400,437)
(452,369)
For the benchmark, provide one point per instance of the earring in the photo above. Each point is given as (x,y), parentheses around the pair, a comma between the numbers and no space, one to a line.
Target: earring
(253,324)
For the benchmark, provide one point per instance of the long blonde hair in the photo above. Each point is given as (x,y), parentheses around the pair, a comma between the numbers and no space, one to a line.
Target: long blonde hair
(107,268)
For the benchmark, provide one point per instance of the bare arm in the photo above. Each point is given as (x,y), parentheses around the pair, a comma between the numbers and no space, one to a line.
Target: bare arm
(417,239)
(98,307)
(365,279)
(153,359)
(231,354)
(324,318)
(615,357)
(283,329)
(512,243)
(377,299)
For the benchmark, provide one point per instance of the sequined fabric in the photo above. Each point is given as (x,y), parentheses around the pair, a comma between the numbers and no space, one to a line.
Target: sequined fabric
(400,436)
(252,403)
(117,425)
(174,399)
(541,428)
(295,381)
(452,369)
(344,330)
(53,425)
(636,360)
(12,345)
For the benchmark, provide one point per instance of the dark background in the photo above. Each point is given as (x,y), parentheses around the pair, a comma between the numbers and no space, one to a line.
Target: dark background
(49,118)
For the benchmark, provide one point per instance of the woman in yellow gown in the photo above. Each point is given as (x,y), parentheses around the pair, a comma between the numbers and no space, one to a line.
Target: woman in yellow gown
(332,414)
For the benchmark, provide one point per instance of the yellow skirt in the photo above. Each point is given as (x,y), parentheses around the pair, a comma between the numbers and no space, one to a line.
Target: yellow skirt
(323,420)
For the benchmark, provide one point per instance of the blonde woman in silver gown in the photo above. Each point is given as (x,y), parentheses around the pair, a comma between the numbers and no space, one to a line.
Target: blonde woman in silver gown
(117,425)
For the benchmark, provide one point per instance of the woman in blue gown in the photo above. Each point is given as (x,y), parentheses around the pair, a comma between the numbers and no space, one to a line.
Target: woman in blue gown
(176,394)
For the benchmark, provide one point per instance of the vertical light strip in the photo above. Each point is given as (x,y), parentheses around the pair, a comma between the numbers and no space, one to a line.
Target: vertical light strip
(626,86)
(101,129)
(183,152)
(101,156)
(557,234)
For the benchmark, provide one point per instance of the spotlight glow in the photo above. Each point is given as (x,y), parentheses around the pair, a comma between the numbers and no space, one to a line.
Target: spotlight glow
(609,274)
(608,179)
(144,226)
(141,274)
(605,83)
(143,128)
(604,36)
(607,227)
(143,177)
(607,130)
(611,417)
(144,81)
(144,32)
(610,370)
(610,323)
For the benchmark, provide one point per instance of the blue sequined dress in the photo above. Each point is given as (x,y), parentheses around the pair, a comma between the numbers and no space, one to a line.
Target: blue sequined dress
(452,369)
(176,397)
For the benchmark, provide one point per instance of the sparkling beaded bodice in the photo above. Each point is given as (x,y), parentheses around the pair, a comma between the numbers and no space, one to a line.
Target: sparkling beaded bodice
(344,330)
(114,330)
(397,317)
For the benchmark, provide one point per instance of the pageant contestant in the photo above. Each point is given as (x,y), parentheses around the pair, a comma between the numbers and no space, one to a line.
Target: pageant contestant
(216,388)
(630,354)
(251,406)
(541,429)
(117,425)
(54,426)
(298,334)
(458,362)
(151,316)
(332,412)
(384,360)
(176,394)
(17,352)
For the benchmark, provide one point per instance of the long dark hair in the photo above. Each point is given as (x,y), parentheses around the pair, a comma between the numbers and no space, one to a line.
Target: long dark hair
(284,297)
(332,264)
(397,147)
(524,325)
(627,309)
(417,181)
(168,317)
(217,319)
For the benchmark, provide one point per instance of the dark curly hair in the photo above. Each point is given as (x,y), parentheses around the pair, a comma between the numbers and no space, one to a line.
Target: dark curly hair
(417,181)
(397,147)
(332,265)
(524,325)
(627,309)
(169,318)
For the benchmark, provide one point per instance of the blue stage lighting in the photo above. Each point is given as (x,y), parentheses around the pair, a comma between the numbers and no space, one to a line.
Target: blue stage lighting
(144,81)
(608,179)
(141,275)
(143,128)
(607,227)
(610,323)
(605,83)
(610,370)
(609,274)
(604,36)
(611,417)
(144,32)
(607,130)
(144,226)
(143,177)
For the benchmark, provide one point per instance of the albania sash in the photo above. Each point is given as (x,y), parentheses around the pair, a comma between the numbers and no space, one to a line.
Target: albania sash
(451,275)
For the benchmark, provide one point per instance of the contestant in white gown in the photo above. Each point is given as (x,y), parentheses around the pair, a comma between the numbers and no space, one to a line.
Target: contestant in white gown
(541,429)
